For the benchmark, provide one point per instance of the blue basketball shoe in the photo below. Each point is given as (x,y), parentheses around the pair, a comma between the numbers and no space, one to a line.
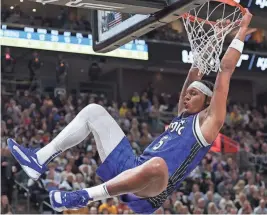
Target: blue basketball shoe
(27,158)
(62,200)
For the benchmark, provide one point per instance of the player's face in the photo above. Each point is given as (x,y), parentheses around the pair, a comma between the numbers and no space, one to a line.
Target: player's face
(194,101)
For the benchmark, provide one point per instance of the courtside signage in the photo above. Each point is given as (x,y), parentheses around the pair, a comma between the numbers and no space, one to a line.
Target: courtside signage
(246,61)
(53,40)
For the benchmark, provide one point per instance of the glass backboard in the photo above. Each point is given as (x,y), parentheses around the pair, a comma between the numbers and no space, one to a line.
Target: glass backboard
(112,29)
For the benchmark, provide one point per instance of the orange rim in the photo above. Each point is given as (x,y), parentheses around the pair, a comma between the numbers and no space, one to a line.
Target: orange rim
(229,2)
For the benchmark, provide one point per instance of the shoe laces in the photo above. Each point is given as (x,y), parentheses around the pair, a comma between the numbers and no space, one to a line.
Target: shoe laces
(75,198)
(30,151)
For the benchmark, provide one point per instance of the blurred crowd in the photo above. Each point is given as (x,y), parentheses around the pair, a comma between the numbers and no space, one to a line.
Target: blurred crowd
(222,183)
(67,18)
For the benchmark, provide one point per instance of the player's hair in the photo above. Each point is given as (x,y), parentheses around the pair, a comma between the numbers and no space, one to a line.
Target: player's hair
(210,85)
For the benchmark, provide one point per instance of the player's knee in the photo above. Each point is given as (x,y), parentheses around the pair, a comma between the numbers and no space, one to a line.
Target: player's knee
(159,173)
(94,108)
(93,111)
(158,168)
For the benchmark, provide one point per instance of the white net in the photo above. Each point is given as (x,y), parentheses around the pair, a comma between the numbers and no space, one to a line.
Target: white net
(206,35)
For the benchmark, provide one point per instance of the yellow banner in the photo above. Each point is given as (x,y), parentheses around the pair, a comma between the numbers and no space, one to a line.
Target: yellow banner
(73,48)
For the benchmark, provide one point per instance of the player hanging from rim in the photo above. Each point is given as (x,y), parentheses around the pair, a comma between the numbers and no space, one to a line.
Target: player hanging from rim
(146,181)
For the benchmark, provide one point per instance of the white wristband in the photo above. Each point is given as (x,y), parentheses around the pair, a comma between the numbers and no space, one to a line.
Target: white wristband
(237,45)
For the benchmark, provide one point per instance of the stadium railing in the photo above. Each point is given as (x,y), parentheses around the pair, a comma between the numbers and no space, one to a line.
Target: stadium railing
(41,208)
(19,186)
(13,82)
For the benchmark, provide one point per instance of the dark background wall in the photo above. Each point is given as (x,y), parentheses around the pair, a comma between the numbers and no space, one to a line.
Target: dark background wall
(130,76)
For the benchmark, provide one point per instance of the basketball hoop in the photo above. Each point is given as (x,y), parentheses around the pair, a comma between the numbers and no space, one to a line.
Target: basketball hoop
(206,35)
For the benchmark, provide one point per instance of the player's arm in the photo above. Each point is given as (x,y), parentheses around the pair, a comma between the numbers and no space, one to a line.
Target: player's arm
(216,113)
(193,75)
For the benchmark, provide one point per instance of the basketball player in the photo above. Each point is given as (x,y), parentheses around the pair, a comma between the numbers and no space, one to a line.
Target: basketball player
(144,182)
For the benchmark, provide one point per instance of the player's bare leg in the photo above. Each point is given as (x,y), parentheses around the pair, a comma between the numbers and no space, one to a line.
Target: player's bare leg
(146,180)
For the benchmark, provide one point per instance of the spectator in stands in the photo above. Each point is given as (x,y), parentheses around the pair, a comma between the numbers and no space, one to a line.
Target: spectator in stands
(53,178)
(261,209)
(245,209)
(177,206)
(61,161)
(123,109)
(93,210)
(86,169)
(240,200)
(109,206)
(228,208)
(61,71)
(135,99)
(135,146)
(7,64)
(195,189)
(184,210)
(226,200)
(8,170)
(50,184)
(135,130)
(146,136)
(68,183)
(79,183)
(67,172)
(145,105)
(154,115)
(79,211)
(34,66)
(235,115)
(86,163)
(212,209)
(259,182)
(5,206)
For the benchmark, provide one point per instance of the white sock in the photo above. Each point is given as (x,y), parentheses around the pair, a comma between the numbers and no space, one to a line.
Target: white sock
(98,192)
(75,132)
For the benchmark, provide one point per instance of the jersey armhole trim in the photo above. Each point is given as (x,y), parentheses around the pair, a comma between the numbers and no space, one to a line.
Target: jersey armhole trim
(197,132)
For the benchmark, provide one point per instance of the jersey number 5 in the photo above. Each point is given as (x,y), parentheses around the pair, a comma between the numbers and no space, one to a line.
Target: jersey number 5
(160,143)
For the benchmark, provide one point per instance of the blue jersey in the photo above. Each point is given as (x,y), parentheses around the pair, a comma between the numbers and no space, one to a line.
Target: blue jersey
(182,146)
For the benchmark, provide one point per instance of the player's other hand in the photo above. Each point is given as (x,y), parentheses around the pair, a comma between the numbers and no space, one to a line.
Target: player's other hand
(246,19)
